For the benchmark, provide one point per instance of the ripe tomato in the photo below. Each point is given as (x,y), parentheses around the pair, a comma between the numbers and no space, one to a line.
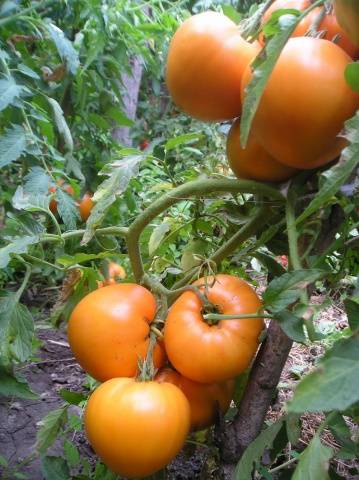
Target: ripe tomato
(205,400)
(136,428)
(114,271)
(206,60)
(144,144)
(108,330)
(329,24)
(53,202)
(253,162)
(85,206)
(305,104)
(213,353)
(347,13)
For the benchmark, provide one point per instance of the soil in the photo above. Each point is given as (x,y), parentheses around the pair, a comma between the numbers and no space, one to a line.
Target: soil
(56,369)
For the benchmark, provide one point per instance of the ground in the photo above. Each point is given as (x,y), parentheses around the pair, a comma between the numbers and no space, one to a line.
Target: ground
(55,369)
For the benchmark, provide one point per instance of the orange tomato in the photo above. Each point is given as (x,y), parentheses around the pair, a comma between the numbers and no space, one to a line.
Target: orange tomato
(205,400)
(329,25)
(305,104)
(85,206)
(114,271)
(53,202)
(213,353)
(253,162)
(347,14)
(136,428)
(109,330)
(206,60)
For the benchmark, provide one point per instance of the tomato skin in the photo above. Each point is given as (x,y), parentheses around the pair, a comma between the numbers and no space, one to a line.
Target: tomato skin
(108,330)
(215,352)
(347,14)
(205,400)
(253,162)
(85,206)
(136,428)
(67,188)
(305,104)
(205,63)
(329,25)
(144,144)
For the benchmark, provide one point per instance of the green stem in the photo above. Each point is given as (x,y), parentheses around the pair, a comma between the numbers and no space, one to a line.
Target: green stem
(195,188)
(147,368)
(116,231)
(25,280)
(30,258)
(217,317)
(229,247)
(283,465)
(292,232)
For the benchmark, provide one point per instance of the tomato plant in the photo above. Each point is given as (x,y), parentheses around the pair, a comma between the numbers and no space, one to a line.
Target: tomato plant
(137,427)
(206,61)
(85,206)
(221,351)
(109,330)
(205,400)
(306,135)
(253,162)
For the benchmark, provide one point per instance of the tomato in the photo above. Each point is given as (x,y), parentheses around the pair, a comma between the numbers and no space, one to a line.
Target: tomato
(212,353)
(144,144)
(347,13)
(109,329)
(136,428)
(114,271)
(67,188)
(305,104)
(85,206)
(205,400)
(253,162)
(329,25)
(206,60)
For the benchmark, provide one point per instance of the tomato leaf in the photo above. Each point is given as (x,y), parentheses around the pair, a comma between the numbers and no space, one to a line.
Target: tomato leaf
(65,48)
(352,310)
(12,145)
(61,124)
(255,450)
(55,468)
(9,92)
(14,386)
(17,245)
(292,325)
(157,236)
(50,426)
(37,181)
(333,385)
(70,260)
(67,208)
(337,175)
(182,139)
(286,289)
(314,462)
(71,453)
(262,68)
(73,398)
(352,75)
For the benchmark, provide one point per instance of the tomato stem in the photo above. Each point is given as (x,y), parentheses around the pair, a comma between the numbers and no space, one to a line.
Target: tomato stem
(214,318)
(146,366)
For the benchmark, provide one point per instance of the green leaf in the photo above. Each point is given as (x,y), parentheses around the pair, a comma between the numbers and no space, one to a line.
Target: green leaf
(17,245)
(16,328)
(74,398)
(64,47)
(119,117)
(352,75)
(337,175)
(333,385)
(255,450)
(192,253)
(55,468)
(37,181)
(352,311)
(263,66)
(270,263)
(157,236)
(182,139)
(28,71)
(71,453)
(231,13)
(12,145)
(14,386)
(292,423)
(286,289)
(313,462)
(33,202)
(9,91)
(342,434)
(61,124)
(292,325)
(120,174)
(67,208)
(50,427)
(70,260)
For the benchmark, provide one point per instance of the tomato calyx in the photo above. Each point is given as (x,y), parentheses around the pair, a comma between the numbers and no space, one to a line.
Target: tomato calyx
(211,313)
(146,367)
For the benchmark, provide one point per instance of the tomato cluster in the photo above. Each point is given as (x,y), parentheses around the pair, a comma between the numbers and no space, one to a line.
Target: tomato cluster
(304,105)
(109,332)
(85,204)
